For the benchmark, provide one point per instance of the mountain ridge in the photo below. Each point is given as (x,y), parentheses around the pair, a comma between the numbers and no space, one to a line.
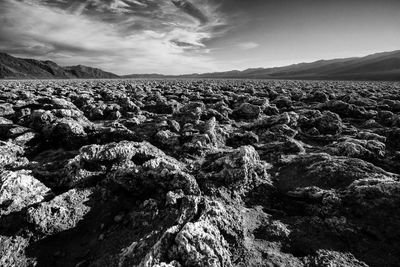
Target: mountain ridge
(26,68)
(378,66)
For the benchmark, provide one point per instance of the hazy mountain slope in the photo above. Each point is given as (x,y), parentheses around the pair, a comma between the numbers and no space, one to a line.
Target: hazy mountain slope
(20,68)
(380,66)
(149,75)
(85,72)
(11,67)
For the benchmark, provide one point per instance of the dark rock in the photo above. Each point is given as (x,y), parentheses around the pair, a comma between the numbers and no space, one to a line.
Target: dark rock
(242,139)
(326,258)
(240,169)
(246,111)
(61,213)
(325,172)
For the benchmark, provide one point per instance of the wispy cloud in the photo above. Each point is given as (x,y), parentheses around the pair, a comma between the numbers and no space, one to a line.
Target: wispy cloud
(248,45)
(124,36)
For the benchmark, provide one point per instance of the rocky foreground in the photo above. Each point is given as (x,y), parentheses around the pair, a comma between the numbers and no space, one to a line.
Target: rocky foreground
(199,173)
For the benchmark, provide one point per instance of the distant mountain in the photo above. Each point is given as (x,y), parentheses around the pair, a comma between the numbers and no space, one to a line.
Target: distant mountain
(85,72)
(150,75)
(380,66)
(20,68)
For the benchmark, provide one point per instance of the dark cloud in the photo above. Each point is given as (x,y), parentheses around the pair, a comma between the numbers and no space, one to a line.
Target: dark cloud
(185,45)
(191,9)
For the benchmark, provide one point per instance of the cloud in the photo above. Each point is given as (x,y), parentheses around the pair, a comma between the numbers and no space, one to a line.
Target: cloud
(248,45)
(191,9)
(123,36)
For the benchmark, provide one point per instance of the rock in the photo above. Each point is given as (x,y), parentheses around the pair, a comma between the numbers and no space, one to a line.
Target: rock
(271,110)
(95,160)
(19,189)
(11,155)
(372,194)
(174,125)
(6,110)
(371,123)
(161,108)
(345,110)
(67,132)
(385,117)
(319,97)
(240,169)
(59,103)
(246,111)
(329,123)
(394,105)
(270,121)
(363,149)
(191,112)
(137,167)
(325,172)
(167,139)
(16,131)
(173,197)
(61,213)
(40,119)
(364,135)
(392,138)
(325,123)
(328,258)
(12,252)
(274,150)
(4,121)
(155,177)
(242,139)
(283,102)
(201,244)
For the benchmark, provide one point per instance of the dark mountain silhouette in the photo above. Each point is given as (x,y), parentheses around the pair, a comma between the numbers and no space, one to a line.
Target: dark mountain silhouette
(20,68)
(85,72)
(380,66)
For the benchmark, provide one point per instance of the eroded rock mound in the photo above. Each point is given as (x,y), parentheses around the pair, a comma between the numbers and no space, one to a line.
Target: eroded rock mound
(240,169)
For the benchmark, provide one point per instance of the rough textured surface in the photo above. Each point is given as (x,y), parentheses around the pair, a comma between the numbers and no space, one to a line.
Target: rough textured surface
(18,190)
(61,213)
(199,173)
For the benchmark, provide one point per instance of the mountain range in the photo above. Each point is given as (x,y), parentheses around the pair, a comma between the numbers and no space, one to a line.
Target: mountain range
(379,66)
(21,68)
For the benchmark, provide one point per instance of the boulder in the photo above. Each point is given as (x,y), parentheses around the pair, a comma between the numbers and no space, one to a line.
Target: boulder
(240,169)
(62,213)
(325,172)
(201,244)
(19,189)
(246,111)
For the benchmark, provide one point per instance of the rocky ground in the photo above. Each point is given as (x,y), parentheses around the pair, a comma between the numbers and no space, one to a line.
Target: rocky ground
(199,173)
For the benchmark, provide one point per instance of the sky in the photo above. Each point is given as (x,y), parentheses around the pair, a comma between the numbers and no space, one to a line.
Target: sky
(196,36)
